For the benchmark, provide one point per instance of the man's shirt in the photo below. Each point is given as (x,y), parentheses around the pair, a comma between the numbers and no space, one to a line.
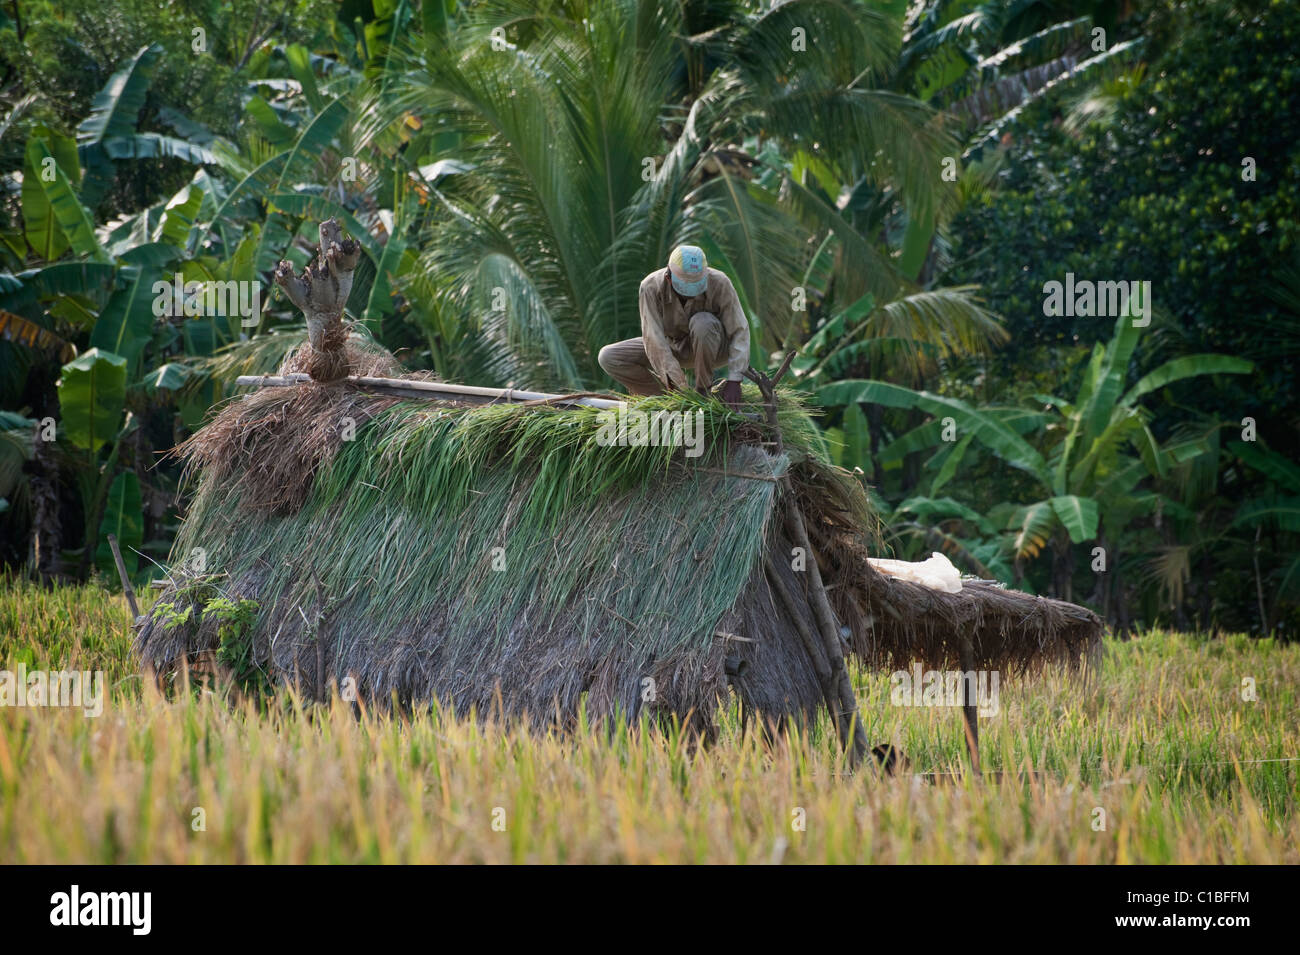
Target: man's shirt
(665,321)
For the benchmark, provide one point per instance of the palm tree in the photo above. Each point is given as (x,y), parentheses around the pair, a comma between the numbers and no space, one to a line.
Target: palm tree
(591,137)
(984,63)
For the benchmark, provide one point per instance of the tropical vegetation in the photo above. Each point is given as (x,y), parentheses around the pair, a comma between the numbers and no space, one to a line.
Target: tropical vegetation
(890,186)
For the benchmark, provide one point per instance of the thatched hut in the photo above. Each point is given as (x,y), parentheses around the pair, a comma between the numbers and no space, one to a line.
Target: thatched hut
(511,555)
(455,551)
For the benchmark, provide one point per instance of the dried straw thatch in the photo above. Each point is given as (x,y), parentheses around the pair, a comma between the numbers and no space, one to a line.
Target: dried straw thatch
(501,555)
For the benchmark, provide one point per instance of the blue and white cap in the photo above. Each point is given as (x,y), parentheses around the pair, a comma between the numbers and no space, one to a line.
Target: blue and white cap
(689,270)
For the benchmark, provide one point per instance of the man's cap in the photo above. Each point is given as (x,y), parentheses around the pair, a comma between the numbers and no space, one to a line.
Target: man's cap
(689,270)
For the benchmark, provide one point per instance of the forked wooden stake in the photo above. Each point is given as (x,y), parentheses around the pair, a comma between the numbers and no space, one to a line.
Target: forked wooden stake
(126,581)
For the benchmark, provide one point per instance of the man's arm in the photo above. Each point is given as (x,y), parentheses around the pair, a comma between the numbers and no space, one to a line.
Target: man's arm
(662,359)
(737,329)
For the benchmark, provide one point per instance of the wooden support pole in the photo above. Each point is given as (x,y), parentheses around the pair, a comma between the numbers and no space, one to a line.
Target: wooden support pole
(970,705)
(853,734)
(831,669)
(437,390)
(126,581)
(811,643)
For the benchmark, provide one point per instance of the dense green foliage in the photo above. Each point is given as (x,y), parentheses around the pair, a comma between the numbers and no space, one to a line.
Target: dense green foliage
(1192,183)
(889,186)
(1183,173)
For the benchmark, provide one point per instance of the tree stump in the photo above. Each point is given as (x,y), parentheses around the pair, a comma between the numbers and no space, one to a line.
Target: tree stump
(322,293)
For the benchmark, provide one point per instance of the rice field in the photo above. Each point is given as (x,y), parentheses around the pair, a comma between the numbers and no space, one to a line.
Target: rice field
(1163,758)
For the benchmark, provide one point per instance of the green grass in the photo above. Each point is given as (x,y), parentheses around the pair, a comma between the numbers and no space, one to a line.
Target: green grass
(435,458)
(1161,742)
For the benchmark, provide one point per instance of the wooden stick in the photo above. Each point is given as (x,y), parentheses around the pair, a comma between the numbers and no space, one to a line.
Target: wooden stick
(813,647)
(737,474)
(785,366)
(836,686)
(321,692)
(434,390)
(126,581)
(969,709)
(855,736)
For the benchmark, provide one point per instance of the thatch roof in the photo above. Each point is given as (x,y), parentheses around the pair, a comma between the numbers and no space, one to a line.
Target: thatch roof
(377,558)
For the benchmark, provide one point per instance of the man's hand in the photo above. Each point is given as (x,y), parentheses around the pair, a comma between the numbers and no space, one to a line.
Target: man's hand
(731,395)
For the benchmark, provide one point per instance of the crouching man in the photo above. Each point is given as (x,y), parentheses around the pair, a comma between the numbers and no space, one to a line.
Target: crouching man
(690,315)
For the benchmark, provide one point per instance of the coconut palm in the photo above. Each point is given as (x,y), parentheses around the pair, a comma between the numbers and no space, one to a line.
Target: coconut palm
(984,63)
(592,137)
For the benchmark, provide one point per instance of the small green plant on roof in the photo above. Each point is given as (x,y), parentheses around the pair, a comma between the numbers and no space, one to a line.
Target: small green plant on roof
(185,603)
(169,615)
(197,601)
(234,620)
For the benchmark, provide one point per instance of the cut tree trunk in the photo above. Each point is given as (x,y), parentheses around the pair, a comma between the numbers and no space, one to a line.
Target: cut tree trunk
(322,293)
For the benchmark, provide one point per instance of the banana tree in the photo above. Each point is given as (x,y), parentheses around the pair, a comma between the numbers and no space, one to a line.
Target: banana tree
(98,286)
(109,133)
(984,63)
(101,291)
(109,289)
(1086,457)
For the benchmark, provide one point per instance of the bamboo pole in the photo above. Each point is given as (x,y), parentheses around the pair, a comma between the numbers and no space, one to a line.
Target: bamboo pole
(126,581)
(853,734)
(811,645)
(437,390)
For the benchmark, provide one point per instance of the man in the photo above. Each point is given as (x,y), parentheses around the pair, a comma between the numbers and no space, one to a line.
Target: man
(689,315)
